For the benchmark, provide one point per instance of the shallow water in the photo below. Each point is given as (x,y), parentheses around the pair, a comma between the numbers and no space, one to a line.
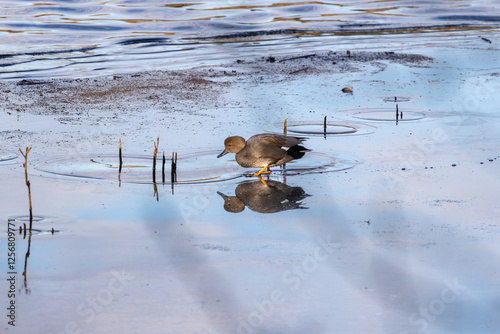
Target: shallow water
(405,240)
(392,228)
(61,38)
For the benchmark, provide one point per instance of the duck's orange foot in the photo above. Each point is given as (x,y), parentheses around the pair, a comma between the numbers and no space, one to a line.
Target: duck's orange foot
(262,171)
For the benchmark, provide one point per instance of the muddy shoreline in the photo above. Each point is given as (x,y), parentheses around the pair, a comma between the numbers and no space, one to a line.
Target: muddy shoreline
(106,102)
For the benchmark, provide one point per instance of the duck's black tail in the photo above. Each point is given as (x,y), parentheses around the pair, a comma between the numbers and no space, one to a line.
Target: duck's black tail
(297,151)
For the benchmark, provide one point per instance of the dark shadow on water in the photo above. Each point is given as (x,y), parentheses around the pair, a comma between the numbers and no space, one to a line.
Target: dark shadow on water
(193,267)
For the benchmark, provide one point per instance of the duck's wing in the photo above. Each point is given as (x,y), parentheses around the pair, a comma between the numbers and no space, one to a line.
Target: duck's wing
(274,140)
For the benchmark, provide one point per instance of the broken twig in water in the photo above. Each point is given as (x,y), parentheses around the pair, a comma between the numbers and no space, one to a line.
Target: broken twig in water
(25,155)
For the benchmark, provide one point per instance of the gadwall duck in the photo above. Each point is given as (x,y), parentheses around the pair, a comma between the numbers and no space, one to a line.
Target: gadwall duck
(264,150)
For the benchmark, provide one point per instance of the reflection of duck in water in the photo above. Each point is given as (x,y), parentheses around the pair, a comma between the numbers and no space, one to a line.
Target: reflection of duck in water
(269,197)
(264,150)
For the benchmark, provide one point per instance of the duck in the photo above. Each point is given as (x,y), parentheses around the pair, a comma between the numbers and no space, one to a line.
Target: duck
(264,150)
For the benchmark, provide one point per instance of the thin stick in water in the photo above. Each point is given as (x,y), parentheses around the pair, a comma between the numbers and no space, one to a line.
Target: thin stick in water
(397,114)
(154,158)
(25,155)
(120,155)
(284,133)
(172,169)
(121,163)
(163,169)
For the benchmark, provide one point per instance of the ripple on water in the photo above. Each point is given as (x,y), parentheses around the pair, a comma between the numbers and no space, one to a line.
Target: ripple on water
(41,224)
(7,158)
(319,162)
(321,129)
(332,128)
(389,115)
(396,99)
(193,167)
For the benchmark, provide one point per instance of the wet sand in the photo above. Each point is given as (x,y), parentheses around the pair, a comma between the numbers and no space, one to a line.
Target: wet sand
(404,239)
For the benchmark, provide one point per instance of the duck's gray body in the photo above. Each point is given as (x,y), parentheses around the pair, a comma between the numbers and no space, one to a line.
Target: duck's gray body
(265,150)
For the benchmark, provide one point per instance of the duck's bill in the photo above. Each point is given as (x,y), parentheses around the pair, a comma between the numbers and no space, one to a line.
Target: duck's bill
(222,195)
(222,154)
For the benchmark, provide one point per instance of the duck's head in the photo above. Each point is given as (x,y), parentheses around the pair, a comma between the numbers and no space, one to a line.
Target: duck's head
(232,144)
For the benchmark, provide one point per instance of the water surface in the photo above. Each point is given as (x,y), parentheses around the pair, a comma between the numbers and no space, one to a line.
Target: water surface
(87,38)
(402,237)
